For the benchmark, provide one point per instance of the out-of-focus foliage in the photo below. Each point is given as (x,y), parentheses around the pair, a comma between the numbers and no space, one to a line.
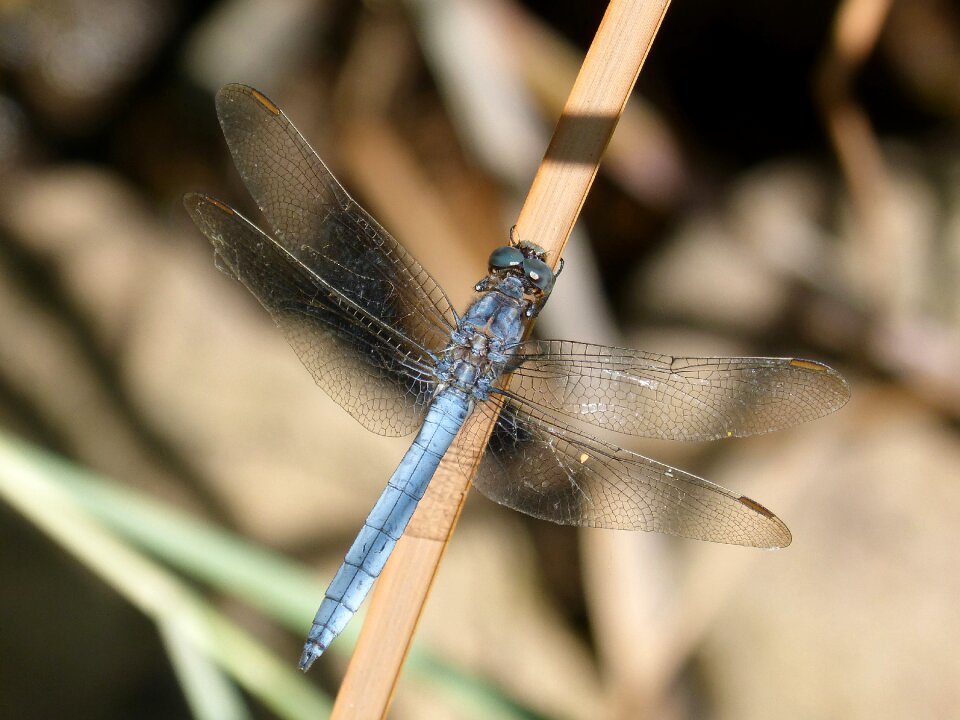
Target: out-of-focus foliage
(786,180)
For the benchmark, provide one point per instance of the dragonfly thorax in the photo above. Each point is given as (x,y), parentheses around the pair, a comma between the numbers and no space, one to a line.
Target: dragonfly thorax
(485,336)
(501,314)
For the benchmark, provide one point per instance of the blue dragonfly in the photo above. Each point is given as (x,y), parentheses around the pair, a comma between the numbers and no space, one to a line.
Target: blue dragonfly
(381,338)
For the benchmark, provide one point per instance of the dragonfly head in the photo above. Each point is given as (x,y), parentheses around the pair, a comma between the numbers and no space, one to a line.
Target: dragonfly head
(526,261)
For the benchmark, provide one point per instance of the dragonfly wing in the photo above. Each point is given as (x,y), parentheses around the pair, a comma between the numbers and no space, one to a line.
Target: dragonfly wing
(318,222)
(544,469)
(674,398)
(378,375)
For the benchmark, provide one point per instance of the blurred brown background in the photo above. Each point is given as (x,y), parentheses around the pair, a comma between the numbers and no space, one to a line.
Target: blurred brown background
(786,181)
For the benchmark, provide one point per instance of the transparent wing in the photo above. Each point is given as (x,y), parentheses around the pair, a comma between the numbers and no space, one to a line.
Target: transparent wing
(674,398)
(381,377)
(317,222)
(552,472)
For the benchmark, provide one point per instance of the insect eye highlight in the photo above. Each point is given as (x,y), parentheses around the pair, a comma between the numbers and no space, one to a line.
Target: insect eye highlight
(538,273)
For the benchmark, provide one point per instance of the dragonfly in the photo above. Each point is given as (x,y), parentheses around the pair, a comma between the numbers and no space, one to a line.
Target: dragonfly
(381,338)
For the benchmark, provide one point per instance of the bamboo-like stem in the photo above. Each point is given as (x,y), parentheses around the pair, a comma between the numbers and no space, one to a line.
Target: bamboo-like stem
(559,189)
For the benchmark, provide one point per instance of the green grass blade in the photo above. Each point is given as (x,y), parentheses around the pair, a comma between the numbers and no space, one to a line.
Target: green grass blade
(210,695)
(32,482)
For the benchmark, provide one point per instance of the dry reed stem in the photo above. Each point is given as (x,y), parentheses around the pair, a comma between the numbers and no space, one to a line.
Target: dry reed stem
(559,189)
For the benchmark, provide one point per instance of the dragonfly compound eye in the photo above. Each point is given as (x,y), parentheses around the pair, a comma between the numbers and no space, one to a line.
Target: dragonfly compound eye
(538,273)
(506,257)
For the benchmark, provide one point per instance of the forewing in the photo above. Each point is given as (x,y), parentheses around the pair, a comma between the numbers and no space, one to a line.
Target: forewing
(377,375)
(674,398)
(544,469)
(316,221)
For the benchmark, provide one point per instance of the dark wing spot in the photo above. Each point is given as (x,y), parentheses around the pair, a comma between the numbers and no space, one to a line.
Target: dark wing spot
(754,505)
(265,101)
(808,365)
(227,209)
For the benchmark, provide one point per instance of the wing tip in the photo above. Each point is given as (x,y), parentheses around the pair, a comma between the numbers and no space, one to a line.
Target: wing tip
(779,535)
(225,93)
(265,101)
(841,389)
(810,365)
(194,202)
